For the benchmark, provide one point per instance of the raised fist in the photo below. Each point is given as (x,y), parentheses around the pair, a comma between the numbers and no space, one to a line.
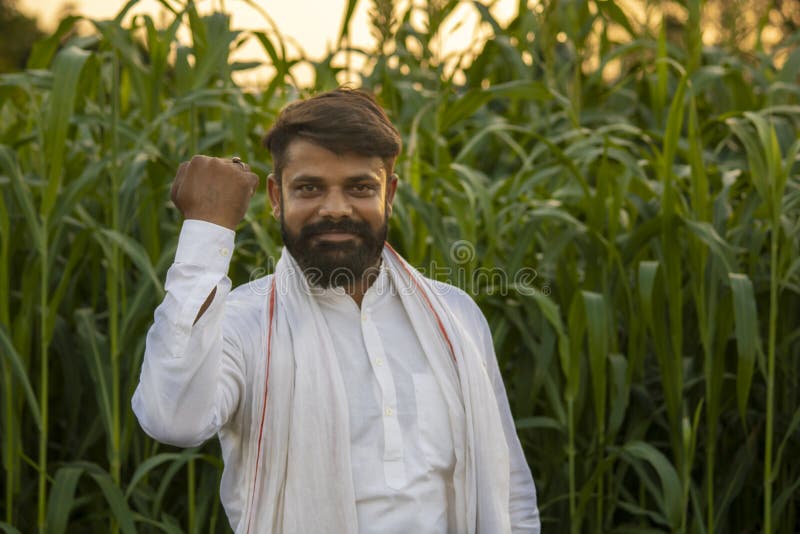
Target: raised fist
(215,190)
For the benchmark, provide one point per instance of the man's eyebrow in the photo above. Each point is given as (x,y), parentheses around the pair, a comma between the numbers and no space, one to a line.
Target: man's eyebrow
(313,179)
(306,179)
(362,178)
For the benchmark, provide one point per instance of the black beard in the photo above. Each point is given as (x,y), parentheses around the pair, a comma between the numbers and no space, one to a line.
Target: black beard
(336,264)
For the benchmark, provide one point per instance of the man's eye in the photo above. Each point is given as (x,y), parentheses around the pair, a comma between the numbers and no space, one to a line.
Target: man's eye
(307,188)
(362,188)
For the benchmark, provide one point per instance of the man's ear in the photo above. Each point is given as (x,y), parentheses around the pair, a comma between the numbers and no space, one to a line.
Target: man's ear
(391,189)
(274,190)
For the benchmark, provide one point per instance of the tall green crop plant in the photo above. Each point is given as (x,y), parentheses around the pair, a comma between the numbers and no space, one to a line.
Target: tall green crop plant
(14,364)
(66,76)
(563,148)
(94,126)
(114,280)
(46,239)
(704,291)
(769,171)
(11,436)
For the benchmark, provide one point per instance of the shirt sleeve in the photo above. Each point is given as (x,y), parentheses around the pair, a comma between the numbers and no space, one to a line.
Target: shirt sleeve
(523,508)
(191,377)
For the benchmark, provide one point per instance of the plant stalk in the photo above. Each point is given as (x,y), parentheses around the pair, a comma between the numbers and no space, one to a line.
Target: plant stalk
(773,323)
(573,508)
(113,284)
(44,379)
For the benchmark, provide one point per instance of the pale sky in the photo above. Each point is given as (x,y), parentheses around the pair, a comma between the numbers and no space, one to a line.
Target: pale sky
(312,24)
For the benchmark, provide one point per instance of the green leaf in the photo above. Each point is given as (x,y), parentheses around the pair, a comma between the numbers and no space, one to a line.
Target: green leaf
(597,327)
(669,498)
(576,325)
(11,354)
(22,192)
(759,173)
(350,9)
(62,498)
(746,317)
(474,99)
(791,433)
(213,59)
(647,280)
(619,393)
(66,76)
(116,502)
(788,494)
(151,463)
(613,13)
(42,51)
(138,256)
(708,234)
(539,423)
(97,364)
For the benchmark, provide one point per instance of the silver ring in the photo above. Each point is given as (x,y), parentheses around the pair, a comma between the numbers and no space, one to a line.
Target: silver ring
(237,160)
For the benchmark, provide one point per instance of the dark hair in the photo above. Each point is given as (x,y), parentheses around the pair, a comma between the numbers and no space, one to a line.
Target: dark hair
(342,120)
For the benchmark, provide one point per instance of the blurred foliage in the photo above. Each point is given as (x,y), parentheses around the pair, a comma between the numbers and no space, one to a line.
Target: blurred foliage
(17,35)
(628,199)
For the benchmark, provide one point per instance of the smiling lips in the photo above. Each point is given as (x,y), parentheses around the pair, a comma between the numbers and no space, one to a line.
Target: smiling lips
(335,236)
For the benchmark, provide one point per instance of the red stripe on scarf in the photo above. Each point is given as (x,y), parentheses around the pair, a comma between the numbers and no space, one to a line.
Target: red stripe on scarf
(427,301)
(264,401)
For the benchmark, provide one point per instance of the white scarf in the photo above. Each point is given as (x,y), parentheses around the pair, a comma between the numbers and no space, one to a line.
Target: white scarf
(302,479)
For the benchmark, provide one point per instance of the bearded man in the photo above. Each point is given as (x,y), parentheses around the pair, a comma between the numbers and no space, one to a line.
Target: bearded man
(350,394)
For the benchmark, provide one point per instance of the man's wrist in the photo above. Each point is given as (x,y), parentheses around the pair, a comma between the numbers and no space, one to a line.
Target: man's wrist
(230,221)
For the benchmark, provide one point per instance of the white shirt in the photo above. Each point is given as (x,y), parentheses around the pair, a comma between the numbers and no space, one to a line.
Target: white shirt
(401,448)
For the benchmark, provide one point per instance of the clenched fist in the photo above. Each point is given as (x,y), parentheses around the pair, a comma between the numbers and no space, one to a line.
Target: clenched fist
(215,190)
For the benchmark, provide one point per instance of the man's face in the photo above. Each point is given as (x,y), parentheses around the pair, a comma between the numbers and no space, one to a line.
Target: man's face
(333,210)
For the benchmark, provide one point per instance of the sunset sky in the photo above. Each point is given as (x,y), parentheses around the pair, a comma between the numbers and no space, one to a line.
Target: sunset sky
(312,24)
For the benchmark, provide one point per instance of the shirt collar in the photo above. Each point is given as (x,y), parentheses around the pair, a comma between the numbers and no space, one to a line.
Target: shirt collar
(377,294)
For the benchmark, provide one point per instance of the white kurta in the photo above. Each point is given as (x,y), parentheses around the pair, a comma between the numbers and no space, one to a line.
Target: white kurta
(196,380)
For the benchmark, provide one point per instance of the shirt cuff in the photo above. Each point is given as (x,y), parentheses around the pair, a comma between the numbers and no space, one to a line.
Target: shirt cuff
(205,244)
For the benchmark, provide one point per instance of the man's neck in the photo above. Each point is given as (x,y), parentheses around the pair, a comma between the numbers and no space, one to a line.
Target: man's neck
(358,291)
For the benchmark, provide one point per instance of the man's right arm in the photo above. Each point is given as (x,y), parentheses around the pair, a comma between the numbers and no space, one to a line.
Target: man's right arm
(191,375)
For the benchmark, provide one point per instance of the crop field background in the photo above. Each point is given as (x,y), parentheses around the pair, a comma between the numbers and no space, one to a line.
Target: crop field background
(618,191)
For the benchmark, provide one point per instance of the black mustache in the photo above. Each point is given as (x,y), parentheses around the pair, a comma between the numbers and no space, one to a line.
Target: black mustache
(346,226)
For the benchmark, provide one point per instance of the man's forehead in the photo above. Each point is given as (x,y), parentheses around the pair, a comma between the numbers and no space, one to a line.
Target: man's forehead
(302,152)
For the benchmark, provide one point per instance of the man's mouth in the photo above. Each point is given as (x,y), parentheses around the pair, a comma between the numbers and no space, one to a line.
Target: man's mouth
(334,236)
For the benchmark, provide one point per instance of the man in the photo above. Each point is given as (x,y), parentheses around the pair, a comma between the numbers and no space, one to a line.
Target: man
(350,394)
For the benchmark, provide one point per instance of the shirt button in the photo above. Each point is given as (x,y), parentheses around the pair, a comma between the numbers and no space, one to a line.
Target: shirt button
(363,317)
(378,362)
(224,251)
(388,412)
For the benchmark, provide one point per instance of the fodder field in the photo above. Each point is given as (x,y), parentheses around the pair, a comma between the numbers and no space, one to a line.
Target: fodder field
(621,199)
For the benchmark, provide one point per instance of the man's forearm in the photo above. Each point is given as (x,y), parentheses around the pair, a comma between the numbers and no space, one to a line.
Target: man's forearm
(205,305)
(176,399)
(176,396)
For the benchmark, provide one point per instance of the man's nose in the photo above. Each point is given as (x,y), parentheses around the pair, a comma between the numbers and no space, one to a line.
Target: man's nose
(335,205)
